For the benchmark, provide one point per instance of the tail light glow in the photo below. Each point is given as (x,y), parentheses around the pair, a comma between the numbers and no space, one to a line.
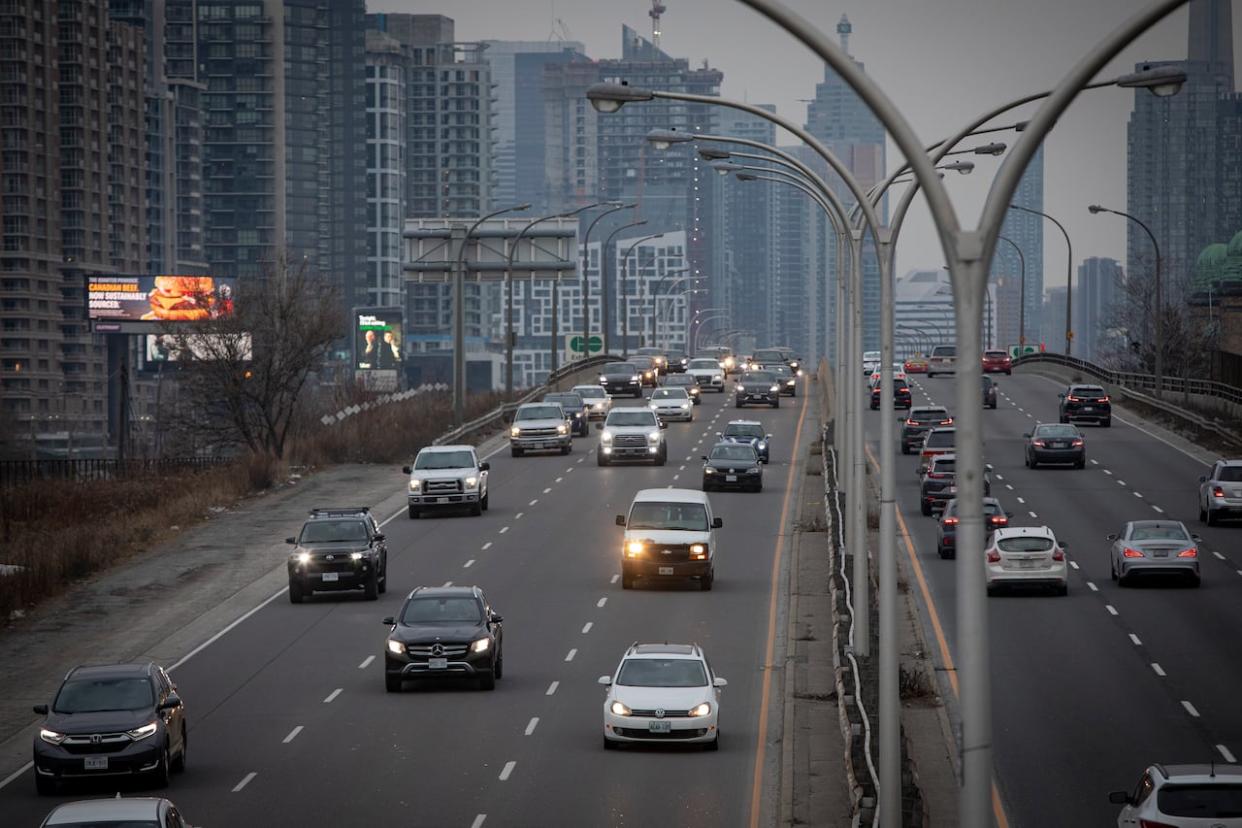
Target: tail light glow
(912,422)
(950,521)
(1058,554)
(999,520)
(1217,491)
(1077,443)
(1131,553)
(993,556)
(1188,553)
(1038,443)
(1072,398)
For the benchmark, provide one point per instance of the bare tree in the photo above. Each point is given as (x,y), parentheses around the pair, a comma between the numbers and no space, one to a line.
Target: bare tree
(245,370)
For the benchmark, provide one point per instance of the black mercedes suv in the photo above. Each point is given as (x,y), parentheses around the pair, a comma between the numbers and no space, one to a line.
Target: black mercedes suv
(920,421)
(621,378)
(338,549)
(444,632)
(1086,402)
(111,720)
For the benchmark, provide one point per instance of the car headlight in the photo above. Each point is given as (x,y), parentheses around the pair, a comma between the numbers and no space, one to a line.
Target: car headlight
(685,406)
(762,445)
(634,549)
(741,389)
(754,470)
(515,432)
(51,736)
(698,551)
(635,378)
(605,436)
(303,557)
(653,436)
(718,378)
(355,556)
(603,379)
(708,470)
(415,485)
(791,381)
(577,415)
(481,645)
(775,388)
(703,709)
(619,709)
(562,429)
(694,391)
(472,482)
(396,647)
(140,733)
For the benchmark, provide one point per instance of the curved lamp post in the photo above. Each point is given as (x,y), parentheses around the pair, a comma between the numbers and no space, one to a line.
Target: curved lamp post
(1159,298)
(625,296)
(586,279)
(605,262)
(1069,275)
(1021,291)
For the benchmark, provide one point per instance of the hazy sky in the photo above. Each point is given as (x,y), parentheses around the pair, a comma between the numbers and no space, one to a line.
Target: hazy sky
(941,61)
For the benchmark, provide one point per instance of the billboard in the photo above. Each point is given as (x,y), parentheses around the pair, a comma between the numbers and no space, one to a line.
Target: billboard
(378,338)
(141,304)
(167,348)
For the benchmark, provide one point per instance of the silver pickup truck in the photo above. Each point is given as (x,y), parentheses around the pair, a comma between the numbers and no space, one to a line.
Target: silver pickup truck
(540,427)
(446,477)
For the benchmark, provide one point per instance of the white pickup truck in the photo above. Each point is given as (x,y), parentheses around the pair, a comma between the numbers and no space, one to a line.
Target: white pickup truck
(445,477)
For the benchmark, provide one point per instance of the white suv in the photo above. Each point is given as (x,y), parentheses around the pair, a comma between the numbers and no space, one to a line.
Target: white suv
(943,360)
(663,693)
(1182,796)
(669,533)
(1026,556)
(596,397)
(709,373)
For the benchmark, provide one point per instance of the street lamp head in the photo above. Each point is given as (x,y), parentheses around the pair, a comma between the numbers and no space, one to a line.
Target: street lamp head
(609,97)
(745,176)
(724,167)
(1095,208)
(963,167)
(1161,81)
(995,148)
(520,208)
(662,139)
(713,154)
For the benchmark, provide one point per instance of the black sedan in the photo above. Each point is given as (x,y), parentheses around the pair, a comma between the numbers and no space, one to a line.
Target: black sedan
(946,542)
(444,632)
(1053,443)
(757,387)
(621,378)
(677,363)
(732,466)
(111,720)
(1086,402)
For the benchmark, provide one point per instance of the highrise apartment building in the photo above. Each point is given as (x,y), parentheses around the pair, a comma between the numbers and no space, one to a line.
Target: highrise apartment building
(387,122)
(1026,230)
(571,138)
(1096,291)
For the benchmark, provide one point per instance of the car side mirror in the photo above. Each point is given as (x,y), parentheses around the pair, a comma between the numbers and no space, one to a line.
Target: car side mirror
(663,424)
(1064,544)
(406,470)
(171,703)
(1119,798)
(1202,478)
(389,622)
(769,436)
(1060,396)
(380,536)
(1008,514)
(621,520)
(719,682)
(497,619)
(41,709)
(605,680)
(987,467)
(599,426)
(1111,537)
(291,541)
(717,523)
(719,434)
(703,457)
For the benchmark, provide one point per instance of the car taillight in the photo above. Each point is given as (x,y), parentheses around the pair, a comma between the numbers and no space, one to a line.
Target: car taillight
(1188,553)
(947,422)
(1217,491)
(1058,554)
(1071,398)
(1104,398)
(912,422)
(1076,443)
(1131,553)
(950,521)
(993,556)
(1000,520)
(1038,443)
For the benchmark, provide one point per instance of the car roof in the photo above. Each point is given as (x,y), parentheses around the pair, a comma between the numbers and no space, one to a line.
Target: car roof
(928,408)
(1203,772)
(1157,524)
(1025,532)
(1089,385)
(136,669)
(670,496)
(1230,463)
(445,449)
(665,650)
(946,457)
(732,444)
(578,389)
(743,422)
(140,808)
(446,592)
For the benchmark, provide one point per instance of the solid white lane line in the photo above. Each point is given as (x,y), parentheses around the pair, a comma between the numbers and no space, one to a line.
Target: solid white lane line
(214,638)
(547,490)
(1032,514)
(533,502)
(504,529)
(552,688)
(615,578)
(1224,751)
(487,546)
(507,771)
(468,564)
(245,781)
(1023,502)
(1092,587)
(600,603)
(586,628)
(366,662)
(478,821)
(1158,509)
(531,725)
(570,655)
(1158,670)
(1074,564)
(1111,609)
(1219,556)
(1136,641)
(446,584)
(15,774)
(333,695)
(293,734)
(1190,708)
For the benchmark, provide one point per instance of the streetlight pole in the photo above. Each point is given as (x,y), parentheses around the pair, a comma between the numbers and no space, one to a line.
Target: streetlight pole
(1021,294)
(1159,298)
(707,317)
(605,262)
(1069,276)
(654,289)
(625,295)
(459,315)
(586,279)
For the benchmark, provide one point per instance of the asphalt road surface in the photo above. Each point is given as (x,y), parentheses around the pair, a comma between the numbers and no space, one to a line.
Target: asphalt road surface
(1091,688)
(290,724)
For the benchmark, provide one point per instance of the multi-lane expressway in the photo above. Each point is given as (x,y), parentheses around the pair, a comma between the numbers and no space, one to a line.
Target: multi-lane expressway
(291,725)
(1088,689)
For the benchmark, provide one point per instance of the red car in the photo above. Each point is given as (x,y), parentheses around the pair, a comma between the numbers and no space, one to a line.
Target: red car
(997,362)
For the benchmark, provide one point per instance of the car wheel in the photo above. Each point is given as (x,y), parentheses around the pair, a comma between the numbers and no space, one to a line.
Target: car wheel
(940,550)
(1122,580)
(178,764)
(1211,518)
(600,460)
(500,665)
(992,406)
(392,683)
(706,486)
(714,744)
(758,487)
(159,776)
(1112,569)
(1034,464)
(926,507)
(296,594)
(486,500)
(993,591)
(487,681)
(44,786)
(383,581)
(1108,423)
(661,459)
(371,589)
(567,449)
(609,744)
(776,403)
(515,452)
(737,404)
(413,513)
(705,583)
(1063,419)
(627,580)
(1195,580)
(874,407)
(905,449)
(1081,464)
(476,508)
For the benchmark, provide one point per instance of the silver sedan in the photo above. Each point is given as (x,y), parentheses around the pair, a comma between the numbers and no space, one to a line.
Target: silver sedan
(1154,547)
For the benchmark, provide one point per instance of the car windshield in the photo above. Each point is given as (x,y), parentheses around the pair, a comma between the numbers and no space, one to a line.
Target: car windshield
(1177,533)
(760,377)
(700,364)
(1032,543)
(631,418)
(990,507)
(1230,474)
(97,695)
(689,517)
(681,379)
(747,431)
(435,610)
(658,672)
(944,351)
(92,822)
(781,371)
(565,400)
(669,394)
(737,451)
(928,415)
(871,356)
(940,439)
(943,466)
(621,368)
(1056,431)
(1212,801)
(430,460)
(591,392)
(540,412)
(334,531)
(994,354)
(768,356)
(1087,391)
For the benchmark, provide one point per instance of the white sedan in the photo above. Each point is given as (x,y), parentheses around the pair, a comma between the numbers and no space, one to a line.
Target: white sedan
(662,693)
(1026,556)
(672,404)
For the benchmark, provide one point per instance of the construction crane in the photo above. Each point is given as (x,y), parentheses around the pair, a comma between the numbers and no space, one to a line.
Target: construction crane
(657,9)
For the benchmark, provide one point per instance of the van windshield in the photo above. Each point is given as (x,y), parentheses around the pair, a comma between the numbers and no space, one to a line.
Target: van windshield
(688,517)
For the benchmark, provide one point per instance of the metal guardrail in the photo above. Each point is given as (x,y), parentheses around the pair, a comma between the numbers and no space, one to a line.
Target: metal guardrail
(1137,381)
(500,412)
(20,472)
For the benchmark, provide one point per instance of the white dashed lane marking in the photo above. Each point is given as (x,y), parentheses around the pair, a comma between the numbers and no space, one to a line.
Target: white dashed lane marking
(507,771)
(504,529)
(366,662)
(547,490)
(1219,556)
(1106,471)
(1121,482)
(1158,509)
(552,688)
(615,578)
(446,584)
(533,502)
(531,725)
(518,516)
(1032,514)
(1158,670)
(1111,609)
(1138,494)
(1190,708)
(559,479)
(468,564)
(245,781)
(478,821)
(1095,462)
(570,655)
(1224,751)
(1023,502)
(586,628)
(333,695)
(487,546)
(1136,641)
(293,734)
(1074,564)
(1092,587)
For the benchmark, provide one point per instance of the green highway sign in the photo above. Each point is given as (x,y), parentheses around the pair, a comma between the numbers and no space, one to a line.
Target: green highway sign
(596,344)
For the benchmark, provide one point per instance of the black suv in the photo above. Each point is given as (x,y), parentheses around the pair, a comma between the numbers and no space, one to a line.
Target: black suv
(338,549)
(621,378)
(901,394)
(994,515)
(111,720)
(939,484)
(1086,402)
(577,412)
(757,387)
(444,632)
(920,421)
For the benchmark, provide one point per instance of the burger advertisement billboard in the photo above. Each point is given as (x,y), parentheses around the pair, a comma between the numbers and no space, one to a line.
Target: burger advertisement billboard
(378,338)
(141,304)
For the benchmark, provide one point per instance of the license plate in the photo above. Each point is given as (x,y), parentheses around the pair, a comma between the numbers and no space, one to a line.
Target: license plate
(1160,553)
(330,577)
(666,570)
(1028,564)
(96,762)
(437,663)
(1088,408)
(660,727)
(441,500)
(730,478)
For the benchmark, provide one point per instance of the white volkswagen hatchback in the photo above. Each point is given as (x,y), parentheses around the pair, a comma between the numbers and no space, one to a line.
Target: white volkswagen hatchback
(663,693)
(1026,556)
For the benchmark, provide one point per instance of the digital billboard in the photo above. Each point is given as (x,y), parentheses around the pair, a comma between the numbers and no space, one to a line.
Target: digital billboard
(141,304)
(378,338)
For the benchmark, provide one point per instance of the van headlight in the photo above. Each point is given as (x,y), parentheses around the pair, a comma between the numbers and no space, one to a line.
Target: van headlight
(355,556)
(741,389)
(718,378)
(515,432)
(635,378)
(303,558)
(633,549)
(685,406)
(562,429)
(698,552)
(774,388)
(415,485)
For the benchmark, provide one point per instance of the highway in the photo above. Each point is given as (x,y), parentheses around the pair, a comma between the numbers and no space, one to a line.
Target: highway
(1091,688)
(291,725)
